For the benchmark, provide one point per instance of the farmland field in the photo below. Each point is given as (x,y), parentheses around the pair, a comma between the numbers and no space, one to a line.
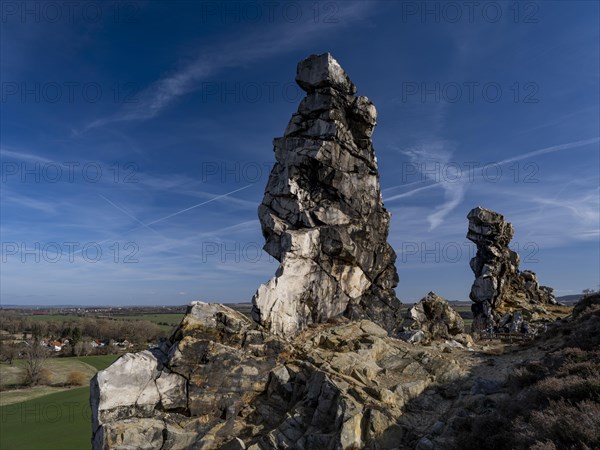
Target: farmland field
(98,362)
(464,309)
(170,318)
(54,317)
(59,421)
(50,418)
(166,321)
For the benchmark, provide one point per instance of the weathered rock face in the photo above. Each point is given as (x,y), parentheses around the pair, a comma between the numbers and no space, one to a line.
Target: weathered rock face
(500,288)
(221,382)
(434,318)
(322,214)
(171,397)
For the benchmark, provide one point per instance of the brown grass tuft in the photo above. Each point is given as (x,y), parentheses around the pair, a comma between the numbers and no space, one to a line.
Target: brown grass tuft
(76,378)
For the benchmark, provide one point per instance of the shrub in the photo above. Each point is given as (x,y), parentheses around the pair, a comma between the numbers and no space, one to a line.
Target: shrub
(76,378)
(587,302)
(566,425)
(45,376)
(584,369)
(527,375)
(572,388)
(546,445)
(554,402)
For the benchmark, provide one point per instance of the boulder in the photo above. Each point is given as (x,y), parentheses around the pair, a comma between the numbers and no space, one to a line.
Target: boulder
(323,71)
(128,384)
(434,318)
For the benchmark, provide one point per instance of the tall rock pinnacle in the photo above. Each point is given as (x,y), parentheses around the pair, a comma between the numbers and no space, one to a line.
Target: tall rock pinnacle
(499,287)
(322,214)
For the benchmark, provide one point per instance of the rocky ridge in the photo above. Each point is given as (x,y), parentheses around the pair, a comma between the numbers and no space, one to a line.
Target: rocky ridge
(322,214)
(222,382)
(226,381)
(502,293)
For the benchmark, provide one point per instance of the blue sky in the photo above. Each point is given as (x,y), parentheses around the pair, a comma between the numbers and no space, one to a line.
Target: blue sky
(136,139)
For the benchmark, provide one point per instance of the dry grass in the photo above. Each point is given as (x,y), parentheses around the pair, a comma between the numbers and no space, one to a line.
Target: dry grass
(76,378)
(45,377)
(555,401)
(565,424)
(60,368)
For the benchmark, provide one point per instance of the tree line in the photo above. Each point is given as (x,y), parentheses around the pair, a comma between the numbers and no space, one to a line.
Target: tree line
(21,331)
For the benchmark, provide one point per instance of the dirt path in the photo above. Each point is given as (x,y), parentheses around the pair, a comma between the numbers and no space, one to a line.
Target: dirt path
(434,417)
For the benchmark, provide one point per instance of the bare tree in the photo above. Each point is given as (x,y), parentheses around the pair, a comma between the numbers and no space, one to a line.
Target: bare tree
(39,329)
(8,351)
(142,331)
(82,348)
(10,322)
(35,360)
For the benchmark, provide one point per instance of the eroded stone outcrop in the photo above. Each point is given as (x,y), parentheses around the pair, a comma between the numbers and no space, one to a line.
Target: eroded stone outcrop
(501,293)
(431,318)
(322,214)
(222,382)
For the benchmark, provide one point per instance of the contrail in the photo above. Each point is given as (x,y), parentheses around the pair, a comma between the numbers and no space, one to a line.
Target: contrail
(412,192)
(127,213)
(195,206)
(147,225)
(554,148)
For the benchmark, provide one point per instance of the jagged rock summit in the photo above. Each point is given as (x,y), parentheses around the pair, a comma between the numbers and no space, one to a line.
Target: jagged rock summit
(224,381)
(322,214)
(501,293)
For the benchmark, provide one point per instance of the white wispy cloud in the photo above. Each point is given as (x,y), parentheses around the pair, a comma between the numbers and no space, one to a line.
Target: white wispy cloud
(250,48)
(571,214)
(5,153)
(437,155)
(47,207)
(434,156)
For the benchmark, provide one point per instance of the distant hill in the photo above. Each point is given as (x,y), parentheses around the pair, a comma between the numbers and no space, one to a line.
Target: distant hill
(570,299)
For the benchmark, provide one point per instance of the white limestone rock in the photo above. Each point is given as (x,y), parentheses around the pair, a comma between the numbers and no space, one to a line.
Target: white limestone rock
(322,214)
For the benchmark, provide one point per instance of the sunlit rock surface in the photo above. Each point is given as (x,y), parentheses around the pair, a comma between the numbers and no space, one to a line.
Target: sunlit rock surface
(434,318)
(322,214)
(501,293)
(222,382)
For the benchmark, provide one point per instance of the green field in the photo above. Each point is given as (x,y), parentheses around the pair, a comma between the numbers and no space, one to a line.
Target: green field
(54,317)
(170,319)
(156,318)
(53,420)
(465,312)
(98,362)
(59,421)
